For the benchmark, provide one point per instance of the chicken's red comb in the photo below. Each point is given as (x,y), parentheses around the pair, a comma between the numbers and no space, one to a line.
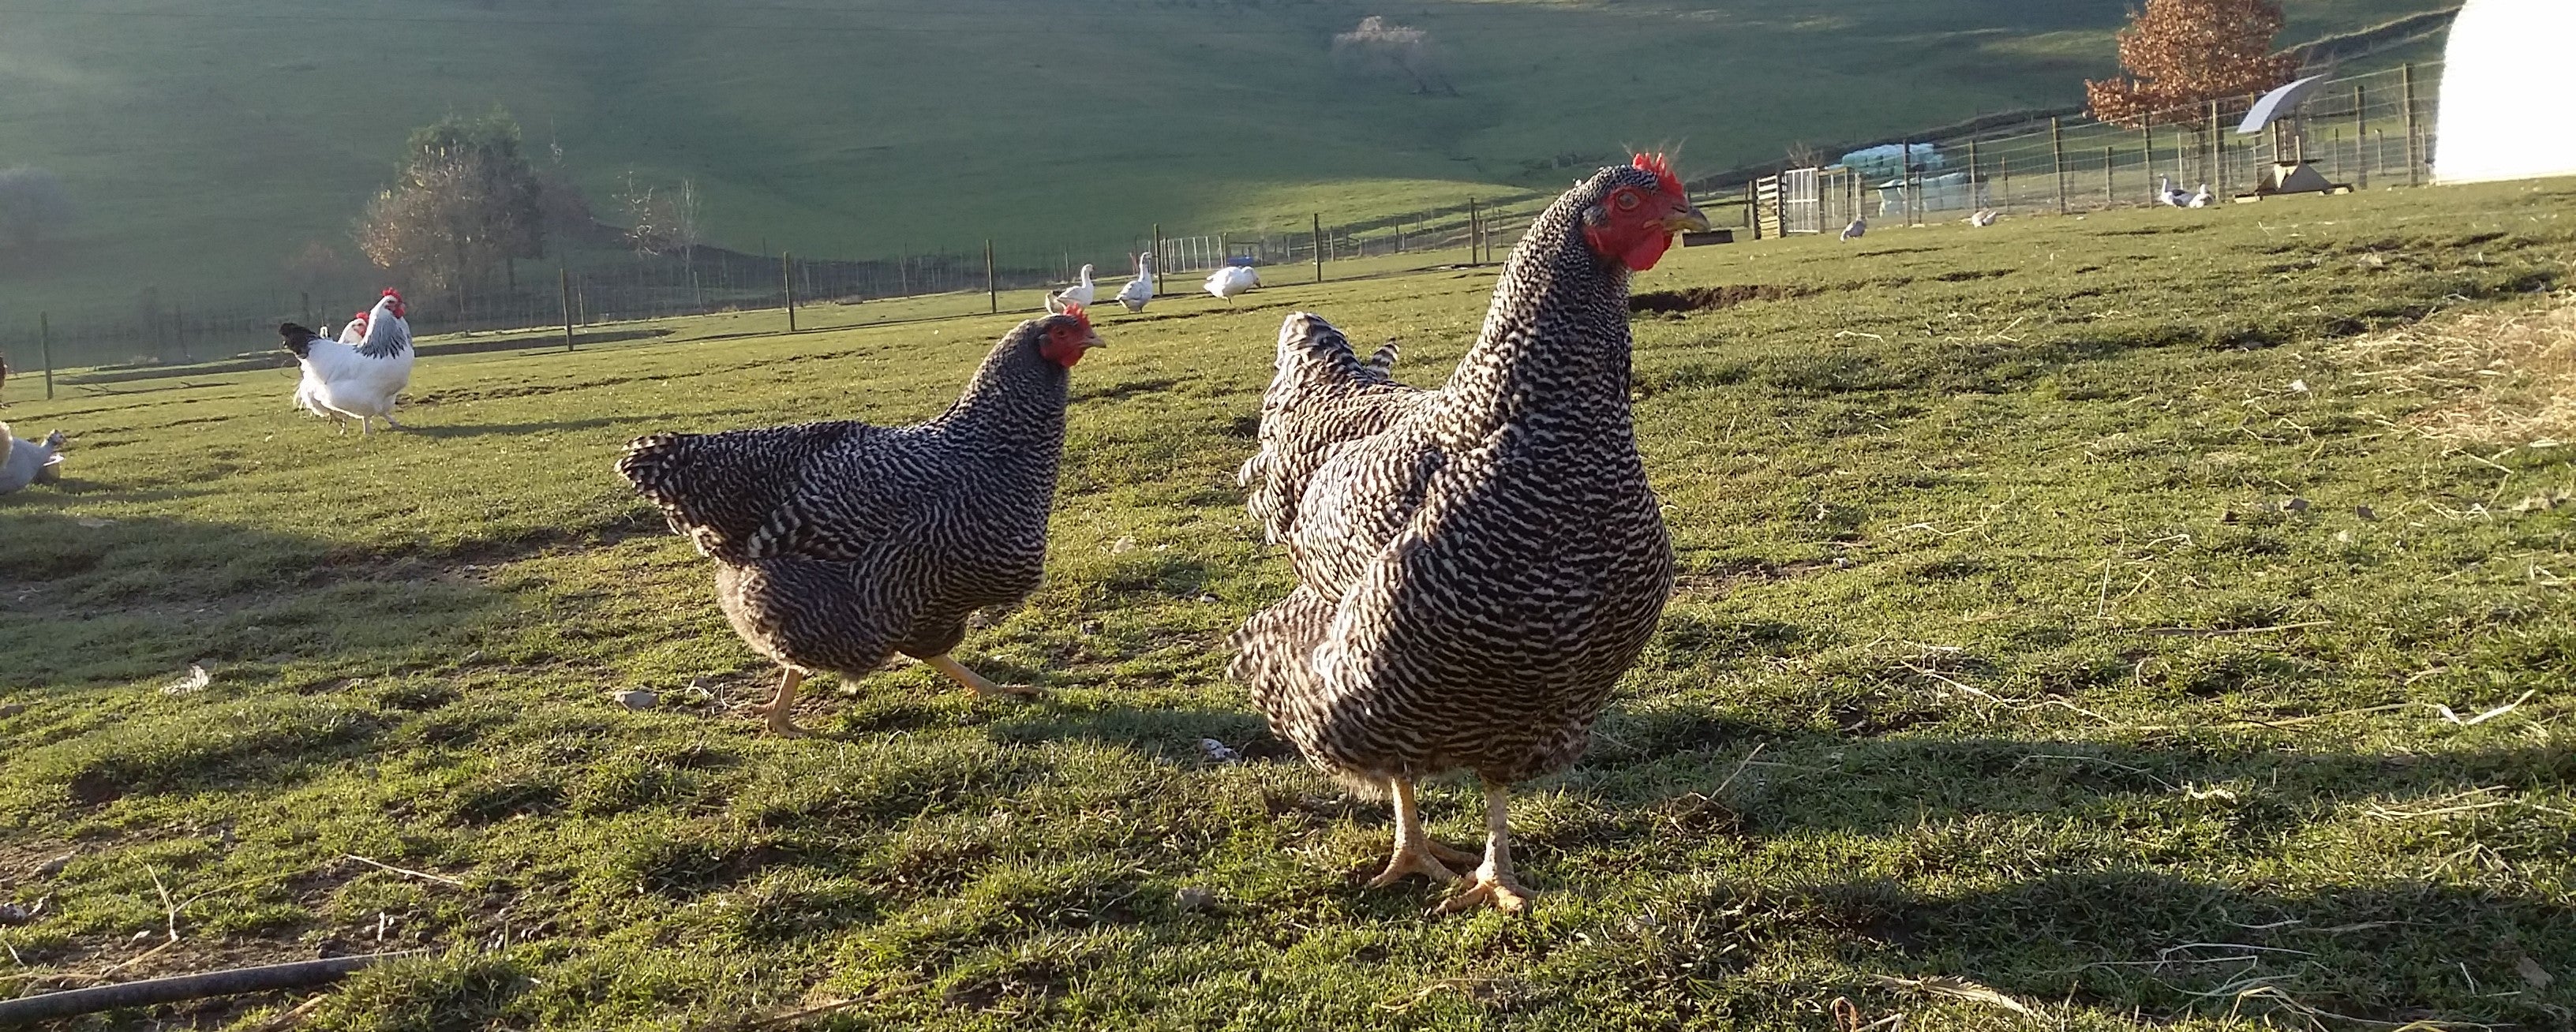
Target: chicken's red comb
(1077,313)
(392,293)
(1662,169)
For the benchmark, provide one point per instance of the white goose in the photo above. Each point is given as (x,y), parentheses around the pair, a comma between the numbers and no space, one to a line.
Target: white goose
(1140,289)
(1231,280)
(2200,198)
(1080,293)
(2166,194)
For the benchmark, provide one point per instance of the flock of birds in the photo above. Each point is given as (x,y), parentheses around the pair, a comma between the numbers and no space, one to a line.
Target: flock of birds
(1236,277)
(1476,564)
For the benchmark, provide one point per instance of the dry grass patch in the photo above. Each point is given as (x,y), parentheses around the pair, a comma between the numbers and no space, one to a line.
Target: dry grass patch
(2506,377)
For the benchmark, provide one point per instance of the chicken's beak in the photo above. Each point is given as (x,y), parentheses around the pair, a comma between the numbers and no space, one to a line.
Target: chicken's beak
(1092,340)
(1687,219)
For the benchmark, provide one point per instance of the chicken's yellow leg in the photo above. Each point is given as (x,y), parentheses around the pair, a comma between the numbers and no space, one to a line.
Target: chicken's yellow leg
(1494,881)
(1415,852)
(782,705)
(975,682)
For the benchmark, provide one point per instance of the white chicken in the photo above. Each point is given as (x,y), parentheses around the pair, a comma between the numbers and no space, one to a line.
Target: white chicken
(1858,226)
(28,462)
(355,381)
(355,331)
(1080,293)
(1231,280)
(1140,289)
(2200,198)
(1984,217)
(2166,194)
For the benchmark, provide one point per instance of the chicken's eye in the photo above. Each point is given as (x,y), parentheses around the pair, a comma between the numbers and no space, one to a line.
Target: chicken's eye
(1626,199)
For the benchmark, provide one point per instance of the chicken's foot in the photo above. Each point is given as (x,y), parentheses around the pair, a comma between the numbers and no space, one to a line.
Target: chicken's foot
(1494,882)
(782,706)
(975,682)
(1415,851)
(389,421)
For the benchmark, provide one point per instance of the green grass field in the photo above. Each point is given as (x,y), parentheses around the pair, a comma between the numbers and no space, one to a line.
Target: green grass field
(207,142)
(2000,655)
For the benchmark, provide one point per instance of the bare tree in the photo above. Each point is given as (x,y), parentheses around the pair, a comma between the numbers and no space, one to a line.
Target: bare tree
(1805,155)
(663,220)
(467,204)
(33,206)
(1382,47)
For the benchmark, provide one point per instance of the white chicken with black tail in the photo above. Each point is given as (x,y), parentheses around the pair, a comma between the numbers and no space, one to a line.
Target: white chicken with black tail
(355,381)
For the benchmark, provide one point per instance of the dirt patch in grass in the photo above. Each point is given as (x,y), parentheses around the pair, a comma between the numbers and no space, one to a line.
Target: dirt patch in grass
(2500,378)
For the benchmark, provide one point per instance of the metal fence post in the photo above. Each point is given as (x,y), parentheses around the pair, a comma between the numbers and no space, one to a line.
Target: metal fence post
(2057,152)
(992,293)
(563,283)
(45,349)
(787,285)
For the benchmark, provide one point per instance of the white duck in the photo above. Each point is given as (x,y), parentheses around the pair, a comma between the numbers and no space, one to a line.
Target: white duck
(1140,289)
(2200,198)
(1858,226)
(1080,293)
(1228,281)
(28,462)
(2166,194)
(1984,217)
(360,381)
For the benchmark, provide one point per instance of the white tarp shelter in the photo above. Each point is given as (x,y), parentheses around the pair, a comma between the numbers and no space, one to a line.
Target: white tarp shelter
(2503,111)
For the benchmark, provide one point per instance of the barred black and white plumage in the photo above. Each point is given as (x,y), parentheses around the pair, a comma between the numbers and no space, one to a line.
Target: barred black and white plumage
(839,544)
(1321,396)
(1476,565)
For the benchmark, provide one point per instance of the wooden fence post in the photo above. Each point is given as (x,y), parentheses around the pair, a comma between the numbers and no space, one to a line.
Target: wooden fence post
(992,294)
(1976,197)
(2147,137)
(563,283)
(2209,165)
(1160,265)
(1319,247)
(1474,225)
(787,285)
(45,349)
(2107,197)
(2406,79)
(2057,151)
(2360,131)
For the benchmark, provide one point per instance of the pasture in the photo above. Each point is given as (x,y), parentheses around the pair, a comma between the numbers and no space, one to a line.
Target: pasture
(2062,612)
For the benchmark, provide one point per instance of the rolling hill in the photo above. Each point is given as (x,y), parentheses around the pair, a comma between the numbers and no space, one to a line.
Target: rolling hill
(205,141)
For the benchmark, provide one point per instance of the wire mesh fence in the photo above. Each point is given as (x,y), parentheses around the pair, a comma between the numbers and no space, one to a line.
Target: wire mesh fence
(2357,132)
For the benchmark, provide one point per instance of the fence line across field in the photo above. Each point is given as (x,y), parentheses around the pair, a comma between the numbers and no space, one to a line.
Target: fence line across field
(2361,131)
(2367,130)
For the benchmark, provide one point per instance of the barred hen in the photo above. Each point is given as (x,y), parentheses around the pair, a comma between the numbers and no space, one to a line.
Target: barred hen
(839,544)
(1476,565)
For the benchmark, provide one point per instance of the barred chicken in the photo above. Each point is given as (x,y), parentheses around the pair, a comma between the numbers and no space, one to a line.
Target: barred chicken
(1477,565)
(839,544)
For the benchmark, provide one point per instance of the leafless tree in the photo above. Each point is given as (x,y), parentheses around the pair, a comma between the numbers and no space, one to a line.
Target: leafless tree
(1382,47)
(664,220)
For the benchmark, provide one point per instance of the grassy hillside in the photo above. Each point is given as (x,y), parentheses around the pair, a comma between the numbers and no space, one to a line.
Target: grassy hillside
(207,141)
(1999,655)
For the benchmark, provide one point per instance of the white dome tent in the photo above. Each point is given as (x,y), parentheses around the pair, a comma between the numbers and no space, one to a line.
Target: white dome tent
(2502,112)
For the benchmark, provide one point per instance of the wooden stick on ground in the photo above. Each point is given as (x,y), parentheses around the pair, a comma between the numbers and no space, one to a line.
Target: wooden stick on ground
(30,1009)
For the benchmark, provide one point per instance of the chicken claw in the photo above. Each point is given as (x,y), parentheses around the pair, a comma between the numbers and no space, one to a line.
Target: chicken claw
(781,708)
(1502,890)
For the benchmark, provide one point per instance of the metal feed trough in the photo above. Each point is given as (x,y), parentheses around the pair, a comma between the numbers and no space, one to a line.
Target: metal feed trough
(2297,175)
